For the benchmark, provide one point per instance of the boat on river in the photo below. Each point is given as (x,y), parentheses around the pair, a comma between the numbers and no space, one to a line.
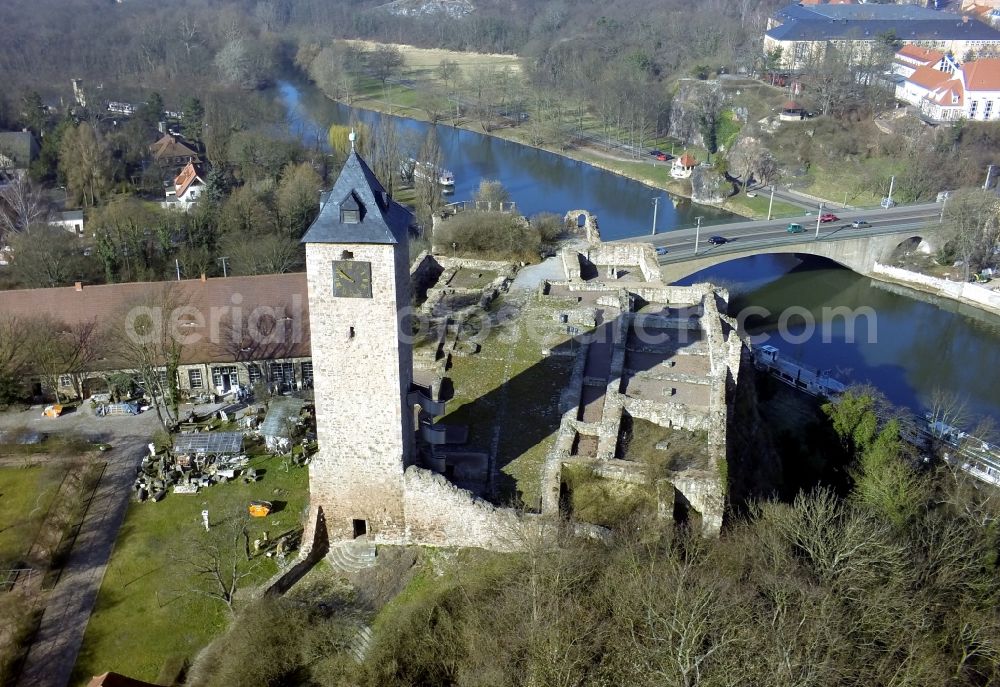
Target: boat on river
(819,383)
(426,170)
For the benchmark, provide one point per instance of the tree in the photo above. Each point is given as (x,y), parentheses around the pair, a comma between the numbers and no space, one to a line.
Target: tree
(14,358)
(298,199)
(193,116)
(492,193)
(219,561)
(973,218)
(244,214)
(151,112)
(384,62)
(45,256)
(151,344)
(21,205)
(429,198)
(85,162)
(263,254)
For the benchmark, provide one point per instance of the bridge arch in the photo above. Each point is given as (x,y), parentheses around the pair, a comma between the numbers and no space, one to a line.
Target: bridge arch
(858,253)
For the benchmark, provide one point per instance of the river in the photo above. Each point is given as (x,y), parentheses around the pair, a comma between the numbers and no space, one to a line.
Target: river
(538,181)
(911,348)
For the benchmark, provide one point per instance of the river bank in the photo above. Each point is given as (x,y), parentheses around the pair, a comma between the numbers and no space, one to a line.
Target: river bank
(966,293)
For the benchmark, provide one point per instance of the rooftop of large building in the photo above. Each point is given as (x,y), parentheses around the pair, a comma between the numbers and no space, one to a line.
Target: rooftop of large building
(864,22)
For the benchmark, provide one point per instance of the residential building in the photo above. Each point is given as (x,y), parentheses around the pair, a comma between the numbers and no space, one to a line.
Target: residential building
(17,151)
(186,188)
(238,331)
(172,150)
(683,166)
(70,220)
(803,32)
(944,91)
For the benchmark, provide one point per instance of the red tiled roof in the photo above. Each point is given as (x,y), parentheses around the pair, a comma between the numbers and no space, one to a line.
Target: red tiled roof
(791,105)
(188,176)
(688,160)
(285,294)
(982,75)
(916,53)
(930,78)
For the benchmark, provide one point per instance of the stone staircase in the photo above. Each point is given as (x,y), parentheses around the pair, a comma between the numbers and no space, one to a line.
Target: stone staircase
(352,556)
(360,643)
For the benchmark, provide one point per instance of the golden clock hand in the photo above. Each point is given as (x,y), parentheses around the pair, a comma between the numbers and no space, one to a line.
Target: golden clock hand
(345,275)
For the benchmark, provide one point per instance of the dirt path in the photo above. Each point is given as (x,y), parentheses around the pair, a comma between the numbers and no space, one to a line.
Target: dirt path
(52,655)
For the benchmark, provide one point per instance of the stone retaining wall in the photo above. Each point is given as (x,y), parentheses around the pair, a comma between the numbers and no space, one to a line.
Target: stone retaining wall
(972,294)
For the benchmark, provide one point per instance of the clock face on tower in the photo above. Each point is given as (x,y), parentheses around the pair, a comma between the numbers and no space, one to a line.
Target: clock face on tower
(352,279)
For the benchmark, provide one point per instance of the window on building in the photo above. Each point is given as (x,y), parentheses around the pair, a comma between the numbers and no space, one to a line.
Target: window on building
(254,374)
(65,380)
(161,375)
(194,379)
(988,109)
(283,372)
(972,109)
(307,373)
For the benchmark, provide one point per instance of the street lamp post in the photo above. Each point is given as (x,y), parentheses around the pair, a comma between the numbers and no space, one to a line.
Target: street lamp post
(892,182)
(770,203)
(697,235)
(819,218)
(943,204)
(656,206)
(225,271)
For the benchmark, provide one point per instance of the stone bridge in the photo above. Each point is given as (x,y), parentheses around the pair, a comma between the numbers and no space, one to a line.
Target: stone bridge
(857,250)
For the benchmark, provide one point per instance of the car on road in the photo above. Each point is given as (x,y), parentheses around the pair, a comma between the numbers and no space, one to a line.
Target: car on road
(717,240)
(828,217)
(656,153)
(795,228)
(661,250)
(663,157)
(888,203)
(860,224)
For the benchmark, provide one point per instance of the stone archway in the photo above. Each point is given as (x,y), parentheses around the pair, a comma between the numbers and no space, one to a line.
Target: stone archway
(591,232)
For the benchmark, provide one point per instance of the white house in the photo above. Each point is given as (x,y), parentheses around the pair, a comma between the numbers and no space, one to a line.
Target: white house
(186,189)
(70,220)
(683,166)
(943,93)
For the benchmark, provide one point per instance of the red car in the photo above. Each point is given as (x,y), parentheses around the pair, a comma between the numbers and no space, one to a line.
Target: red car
(828,217)
(662,157)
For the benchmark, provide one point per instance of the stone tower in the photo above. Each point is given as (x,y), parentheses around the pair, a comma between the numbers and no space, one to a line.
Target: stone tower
(357,265)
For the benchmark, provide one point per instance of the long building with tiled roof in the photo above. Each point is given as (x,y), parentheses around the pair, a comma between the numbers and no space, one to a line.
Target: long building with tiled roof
(237,331)
(944,90)
(802,32)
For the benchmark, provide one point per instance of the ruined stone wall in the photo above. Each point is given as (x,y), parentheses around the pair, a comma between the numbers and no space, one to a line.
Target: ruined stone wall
(627,253)
(424,272)
(590,229)
(440,514)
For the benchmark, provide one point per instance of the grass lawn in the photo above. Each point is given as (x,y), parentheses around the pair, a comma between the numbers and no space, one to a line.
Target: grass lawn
(25,497)
(757,207)
(145,615)
(511,388)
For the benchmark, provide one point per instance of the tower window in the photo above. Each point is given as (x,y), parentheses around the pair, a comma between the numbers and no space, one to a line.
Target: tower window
(350,333)
(350,216)
(347,255)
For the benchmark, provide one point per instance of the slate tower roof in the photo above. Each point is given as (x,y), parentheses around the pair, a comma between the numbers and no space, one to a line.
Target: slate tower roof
(359,210)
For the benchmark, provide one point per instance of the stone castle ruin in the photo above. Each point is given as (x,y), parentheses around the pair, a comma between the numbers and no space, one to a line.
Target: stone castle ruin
(644,352)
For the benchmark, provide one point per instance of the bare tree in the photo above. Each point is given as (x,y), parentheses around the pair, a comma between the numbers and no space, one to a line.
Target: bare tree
(219,561)
(974,220)
(21,206)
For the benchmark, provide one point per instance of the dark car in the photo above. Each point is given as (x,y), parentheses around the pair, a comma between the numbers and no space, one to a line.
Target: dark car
(656,153)
(661,250)
(795,228)
(717,240)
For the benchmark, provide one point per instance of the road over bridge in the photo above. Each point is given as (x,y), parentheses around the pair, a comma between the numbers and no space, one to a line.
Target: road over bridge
(856,248)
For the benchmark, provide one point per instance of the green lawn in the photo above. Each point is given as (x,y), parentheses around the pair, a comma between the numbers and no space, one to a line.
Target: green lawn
(25,497)
(512,388)
(145,614)
(757,207)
